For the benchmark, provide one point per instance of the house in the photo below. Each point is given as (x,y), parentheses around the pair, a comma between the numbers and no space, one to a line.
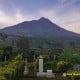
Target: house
(76,67)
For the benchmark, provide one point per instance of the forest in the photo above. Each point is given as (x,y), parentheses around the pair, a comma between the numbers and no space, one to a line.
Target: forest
(60,55)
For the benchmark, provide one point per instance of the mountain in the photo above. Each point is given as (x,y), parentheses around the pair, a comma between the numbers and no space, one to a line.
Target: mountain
(41,27)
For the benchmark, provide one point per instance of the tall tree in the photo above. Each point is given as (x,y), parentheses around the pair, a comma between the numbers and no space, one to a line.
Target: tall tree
(3,36)
(7,52)
(23,45)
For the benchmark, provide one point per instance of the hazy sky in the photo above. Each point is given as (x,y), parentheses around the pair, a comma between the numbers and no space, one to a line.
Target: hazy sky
(65,13)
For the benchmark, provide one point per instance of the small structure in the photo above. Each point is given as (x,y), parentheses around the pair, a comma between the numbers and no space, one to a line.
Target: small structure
(76,67)
(40,73)
(26,69)
(48,74)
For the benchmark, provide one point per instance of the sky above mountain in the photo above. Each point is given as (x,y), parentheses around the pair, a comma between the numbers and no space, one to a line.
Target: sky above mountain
(65,13)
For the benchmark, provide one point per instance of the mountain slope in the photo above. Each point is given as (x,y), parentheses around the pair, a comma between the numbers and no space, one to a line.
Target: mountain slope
(41,27)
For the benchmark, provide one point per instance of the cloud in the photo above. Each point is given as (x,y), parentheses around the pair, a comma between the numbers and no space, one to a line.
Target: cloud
(68,2)
(65,14)
(69,21)
(17,17)
(63,1)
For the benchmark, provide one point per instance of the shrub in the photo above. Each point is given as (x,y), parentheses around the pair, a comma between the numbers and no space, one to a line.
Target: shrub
(2,78)
(13,69)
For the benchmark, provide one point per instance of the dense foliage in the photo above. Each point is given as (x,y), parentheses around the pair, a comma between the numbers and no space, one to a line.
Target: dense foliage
(63,66)
(70,56)
(50,65)
(13,69)
(75,75)
(23,45)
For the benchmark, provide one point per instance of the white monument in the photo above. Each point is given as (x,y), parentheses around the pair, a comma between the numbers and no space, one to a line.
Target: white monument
(26,69)
(40,65)
(40,73)
(48,74)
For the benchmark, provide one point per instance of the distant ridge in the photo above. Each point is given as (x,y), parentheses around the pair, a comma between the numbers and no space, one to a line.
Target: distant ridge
(41,27)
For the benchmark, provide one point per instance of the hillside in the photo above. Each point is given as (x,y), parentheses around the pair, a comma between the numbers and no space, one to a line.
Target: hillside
(41,27)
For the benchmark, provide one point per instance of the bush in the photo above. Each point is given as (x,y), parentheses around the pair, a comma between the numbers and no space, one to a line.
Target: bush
(75,76)
(13,69)
(2,78)
(63,66)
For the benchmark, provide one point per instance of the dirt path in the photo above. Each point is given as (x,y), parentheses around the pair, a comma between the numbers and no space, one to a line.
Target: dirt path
(33,78)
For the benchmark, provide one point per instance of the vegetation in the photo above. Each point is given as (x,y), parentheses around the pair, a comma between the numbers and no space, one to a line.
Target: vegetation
(75,75)
(13,69)
(70,56)
(50,65)
(63,66)
(62,54)
(23,45)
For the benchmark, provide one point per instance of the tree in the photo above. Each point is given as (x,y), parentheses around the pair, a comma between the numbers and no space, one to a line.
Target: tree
(63,66)
(3,36)
(55,52)
(31,55)
(23,45)
(7,52)
(48,65)
(7,49)
(69,56)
